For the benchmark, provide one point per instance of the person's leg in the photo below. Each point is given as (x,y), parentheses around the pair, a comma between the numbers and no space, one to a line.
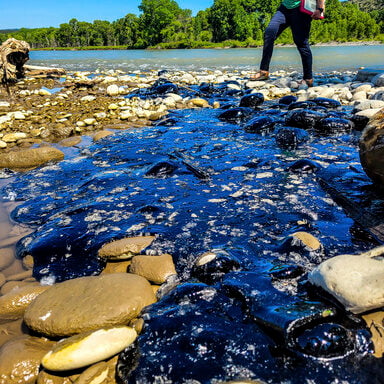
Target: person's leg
(277,25)
(301,27)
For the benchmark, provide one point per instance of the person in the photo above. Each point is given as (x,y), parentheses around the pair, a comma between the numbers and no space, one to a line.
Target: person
(289,15)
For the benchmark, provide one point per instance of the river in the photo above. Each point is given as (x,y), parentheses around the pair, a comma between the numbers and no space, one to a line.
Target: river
(326,58)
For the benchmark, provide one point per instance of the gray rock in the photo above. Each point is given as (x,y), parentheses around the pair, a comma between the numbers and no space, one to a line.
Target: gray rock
(356,281)
(378,80)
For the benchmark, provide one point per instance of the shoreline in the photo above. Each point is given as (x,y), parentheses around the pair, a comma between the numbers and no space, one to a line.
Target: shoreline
(120,48)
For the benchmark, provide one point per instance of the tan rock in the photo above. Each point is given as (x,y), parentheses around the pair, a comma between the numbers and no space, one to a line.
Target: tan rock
(14,303)
(20,359)
(116,267)
(153,268)
(11,285)
(14,268)
(12,137)
(28,262)
(20,276)
(199,102)
(137,324)
(88,348)
(89,303)
(30,158)
(11,330)
(125,248)
(51,378)
(354,280)
(7,257)
(103,372)
(70,141)
(2,279)
(309,240)
(101,134)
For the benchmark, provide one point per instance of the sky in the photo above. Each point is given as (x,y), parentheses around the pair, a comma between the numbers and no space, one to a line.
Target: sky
(52,13)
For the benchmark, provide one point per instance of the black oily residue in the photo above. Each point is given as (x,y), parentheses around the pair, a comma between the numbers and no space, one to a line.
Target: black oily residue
(199,183)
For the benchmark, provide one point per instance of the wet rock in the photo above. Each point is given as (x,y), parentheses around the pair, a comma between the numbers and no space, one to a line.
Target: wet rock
(71,141)
(89,303)
(288,100)
(235,115)
(283,272)
(88,348)
(154,268)
(125,248)
(7,257)
(14,303)
(101,135)
(30,158)
(302,246)
(55,378)
(116,267)
(290,137)
(325,341)
(211,266)
(261,125)
(354,280)
(303,118)
(359,122)
(198,102)
(103,372)
(334,125)
(161,170)
(252,100)
(302,104)
(371,149)
(20,359)
(327,103)
(162,89)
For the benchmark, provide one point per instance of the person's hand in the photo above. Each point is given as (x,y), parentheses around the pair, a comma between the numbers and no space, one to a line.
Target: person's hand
(317,15)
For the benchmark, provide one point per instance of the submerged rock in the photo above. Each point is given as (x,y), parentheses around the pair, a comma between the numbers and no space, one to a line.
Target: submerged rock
(252,101)
(89,303)
(234,115)
(334,125)
(327,103)
(261,125)
(290,137)
(303,118)
(354,280)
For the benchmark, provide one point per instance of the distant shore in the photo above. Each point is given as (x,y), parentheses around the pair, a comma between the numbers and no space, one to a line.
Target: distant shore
(218,46)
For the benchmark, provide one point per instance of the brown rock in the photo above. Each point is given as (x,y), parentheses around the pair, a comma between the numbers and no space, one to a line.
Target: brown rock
(103,372)
(116,267)
(11,285)
(371,150)
(153,268)
(70,141)
(50,378)
(125,248)
(7,257)
(11,330)
(2,279)
(28,262)
(20,276)
(101,134)
(14,303)
(15,268)
(30,158)
(89,303)
(20,359)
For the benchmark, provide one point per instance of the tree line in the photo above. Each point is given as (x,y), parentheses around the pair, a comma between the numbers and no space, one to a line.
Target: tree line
(163,24)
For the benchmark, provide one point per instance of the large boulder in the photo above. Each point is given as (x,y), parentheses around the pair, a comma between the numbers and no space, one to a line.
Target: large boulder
(371,148)
(356,281)
(30,158)
(89,303)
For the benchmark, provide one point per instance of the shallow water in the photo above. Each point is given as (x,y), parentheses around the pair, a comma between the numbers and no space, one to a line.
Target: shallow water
(287,58)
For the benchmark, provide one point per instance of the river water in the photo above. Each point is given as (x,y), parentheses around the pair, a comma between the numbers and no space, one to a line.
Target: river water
(326,58)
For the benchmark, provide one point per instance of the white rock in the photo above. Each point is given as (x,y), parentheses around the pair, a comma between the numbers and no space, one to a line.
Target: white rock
(368,112)
(363,88)
(124,115)
(44,92)
(175,97)
(169,102)
(4,104)
(90,121)
(362,95)
(327,92)
(255,84)
(113,90)
(100,115)
(113,106)
(18,115)
(368,104)
(89,348)
(356,281)
(187,78)
(3,144)
(87,98)
(109,79)
(280,92)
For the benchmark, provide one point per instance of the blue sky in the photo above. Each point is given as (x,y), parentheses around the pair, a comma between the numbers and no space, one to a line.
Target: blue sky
(44,13)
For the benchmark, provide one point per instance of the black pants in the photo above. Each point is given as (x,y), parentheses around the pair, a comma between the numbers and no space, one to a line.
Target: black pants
(300,24)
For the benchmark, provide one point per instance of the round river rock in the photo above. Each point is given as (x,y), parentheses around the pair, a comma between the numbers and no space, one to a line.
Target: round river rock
(89,303)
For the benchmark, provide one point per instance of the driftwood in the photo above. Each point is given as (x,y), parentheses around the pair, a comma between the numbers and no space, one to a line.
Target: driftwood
(13,56)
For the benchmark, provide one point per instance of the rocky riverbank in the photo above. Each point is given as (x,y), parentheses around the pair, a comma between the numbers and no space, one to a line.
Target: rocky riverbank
(210,316)
(41,111)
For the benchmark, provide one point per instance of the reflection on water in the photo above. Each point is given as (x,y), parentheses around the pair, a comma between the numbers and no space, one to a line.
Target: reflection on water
(343,58)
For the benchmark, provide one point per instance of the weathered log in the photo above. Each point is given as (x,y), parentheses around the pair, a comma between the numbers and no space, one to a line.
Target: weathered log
(37,71)
(13,55)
